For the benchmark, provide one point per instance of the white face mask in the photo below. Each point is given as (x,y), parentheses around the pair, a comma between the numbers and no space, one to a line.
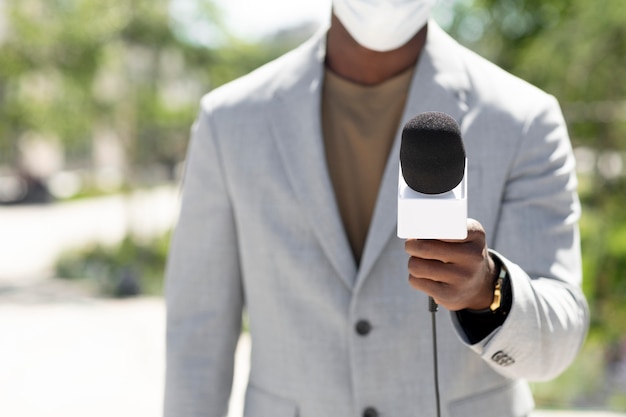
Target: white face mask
(382,25)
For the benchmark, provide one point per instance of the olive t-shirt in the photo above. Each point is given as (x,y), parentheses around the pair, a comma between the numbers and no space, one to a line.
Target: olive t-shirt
(359,124)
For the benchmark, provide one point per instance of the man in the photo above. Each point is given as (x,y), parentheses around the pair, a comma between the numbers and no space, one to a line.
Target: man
(289,211)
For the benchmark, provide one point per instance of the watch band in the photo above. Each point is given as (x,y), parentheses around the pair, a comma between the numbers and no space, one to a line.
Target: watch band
(497,291)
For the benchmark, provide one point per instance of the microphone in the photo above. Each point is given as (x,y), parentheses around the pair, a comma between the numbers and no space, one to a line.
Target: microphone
(432,191)
(432,182)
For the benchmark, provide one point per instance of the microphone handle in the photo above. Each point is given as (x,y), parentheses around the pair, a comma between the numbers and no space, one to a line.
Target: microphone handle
(432,305)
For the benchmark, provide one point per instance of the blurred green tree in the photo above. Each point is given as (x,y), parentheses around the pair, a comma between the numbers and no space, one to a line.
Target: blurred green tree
(76,70)
(574,49)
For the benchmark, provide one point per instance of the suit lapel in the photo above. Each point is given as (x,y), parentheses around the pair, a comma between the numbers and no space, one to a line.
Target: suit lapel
(298,137)
(439,84)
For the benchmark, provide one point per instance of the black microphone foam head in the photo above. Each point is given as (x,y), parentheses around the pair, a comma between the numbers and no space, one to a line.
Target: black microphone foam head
(432,155)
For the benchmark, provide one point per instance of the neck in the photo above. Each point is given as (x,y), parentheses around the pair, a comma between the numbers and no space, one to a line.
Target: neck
(346,58)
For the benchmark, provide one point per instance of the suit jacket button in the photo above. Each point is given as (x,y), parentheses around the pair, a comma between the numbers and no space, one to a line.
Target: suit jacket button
(363,327)
(370,412)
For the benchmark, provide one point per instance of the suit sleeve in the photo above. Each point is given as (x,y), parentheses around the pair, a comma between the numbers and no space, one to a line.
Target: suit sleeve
(537,239)
(204,297)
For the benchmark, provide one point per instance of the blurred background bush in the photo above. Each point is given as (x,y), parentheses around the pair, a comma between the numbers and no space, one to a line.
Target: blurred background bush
(97,97)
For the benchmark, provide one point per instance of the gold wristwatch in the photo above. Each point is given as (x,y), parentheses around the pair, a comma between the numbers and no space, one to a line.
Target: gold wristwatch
(497,291)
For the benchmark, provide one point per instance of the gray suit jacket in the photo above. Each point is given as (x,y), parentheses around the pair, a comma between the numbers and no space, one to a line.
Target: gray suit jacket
(259,229)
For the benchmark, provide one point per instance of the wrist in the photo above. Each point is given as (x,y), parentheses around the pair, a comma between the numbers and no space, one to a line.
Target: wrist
(498,281)
(477,324)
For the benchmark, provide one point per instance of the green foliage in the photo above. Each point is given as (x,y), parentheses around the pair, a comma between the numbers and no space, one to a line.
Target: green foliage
(50,57)
(130,268)
(75,69)
(603,232)
(576,50)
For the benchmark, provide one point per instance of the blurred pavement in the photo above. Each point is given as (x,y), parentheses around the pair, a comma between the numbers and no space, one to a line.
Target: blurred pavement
(65,352)
(33,236)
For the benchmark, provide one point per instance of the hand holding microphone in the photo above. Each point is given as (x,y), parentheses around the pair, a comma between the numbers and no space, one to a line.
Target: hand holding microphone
(449,259)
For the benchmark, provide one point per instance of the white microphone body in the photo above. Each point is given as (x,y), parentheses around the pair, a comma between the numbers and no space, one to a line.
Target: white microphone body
(432,216)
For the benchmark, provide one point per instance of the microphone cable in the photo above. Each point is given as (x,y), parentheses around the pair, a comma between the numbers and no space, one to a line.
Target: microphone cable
(433,307)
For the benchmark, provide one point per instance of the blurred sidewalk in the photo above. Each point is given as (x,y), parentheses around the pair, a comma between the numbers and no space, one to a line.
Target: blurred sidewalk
(33,236)
(66,353)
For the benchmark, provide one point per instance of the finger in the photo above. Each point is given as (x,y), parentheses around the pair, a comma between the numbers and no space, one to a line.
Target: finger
(443,294)
(459,252)
(437,290)
(435,270)
(429,249)
(425,285)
